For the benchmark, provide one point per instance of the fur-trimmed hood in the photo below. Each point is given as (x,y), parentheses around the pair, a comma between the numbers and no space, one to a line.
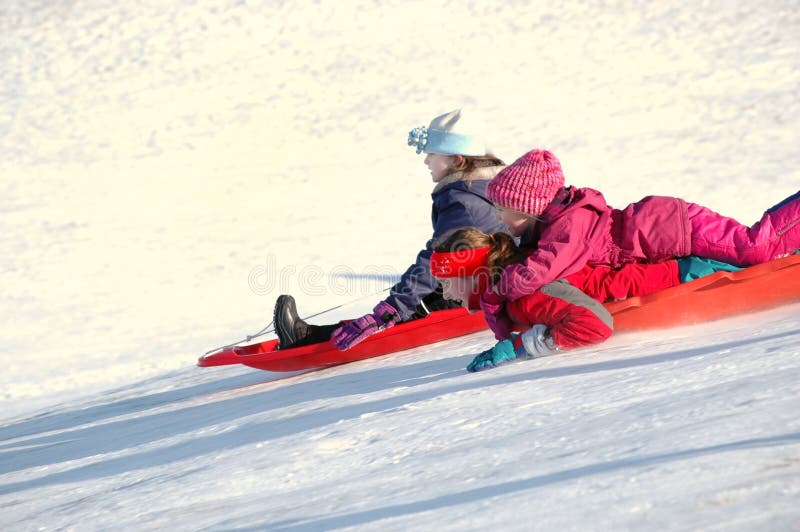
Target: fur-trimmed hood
(482,173)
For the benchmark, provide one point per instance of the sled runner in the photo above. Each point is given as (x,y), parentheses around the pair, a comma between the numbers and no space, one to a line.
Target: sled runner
(715,296)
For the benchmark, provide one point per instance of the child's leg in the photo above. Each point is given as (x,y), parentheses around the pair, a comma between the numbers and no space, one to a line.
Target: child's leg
(293,331)
(718,237)
(433,302)
(692,267)
(609,284)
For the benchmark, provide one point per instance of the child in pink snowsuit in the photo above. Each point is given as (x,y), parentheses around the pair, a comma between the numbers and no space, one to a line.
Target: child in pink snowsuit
(568,227)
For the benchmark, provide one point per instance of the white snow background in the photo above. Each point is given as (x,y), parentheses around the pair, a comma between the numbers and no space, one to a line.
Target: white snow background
(167,168)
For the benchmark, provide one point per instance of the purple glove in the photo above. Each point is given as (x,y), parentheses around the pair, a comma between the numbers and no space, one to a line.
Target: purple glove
(494,312)
(352,333)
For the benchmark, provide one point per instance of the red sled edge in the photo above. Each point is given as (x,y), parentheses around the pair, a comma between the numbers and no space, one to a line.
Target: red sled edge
(438,326)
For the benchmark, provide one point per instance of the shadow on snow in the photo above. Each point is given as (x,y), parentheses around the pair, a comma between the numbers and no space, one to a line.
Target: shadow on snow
(79,443)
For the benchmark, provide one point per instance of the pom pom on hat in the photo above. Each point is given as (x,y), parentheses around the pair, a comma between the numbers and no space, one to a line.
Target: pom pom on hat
(453,133)
(529,184)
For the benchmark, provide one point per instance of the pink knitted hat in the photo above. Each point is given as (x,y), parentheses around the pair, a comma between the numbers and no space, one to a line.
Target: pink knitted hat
(528,184)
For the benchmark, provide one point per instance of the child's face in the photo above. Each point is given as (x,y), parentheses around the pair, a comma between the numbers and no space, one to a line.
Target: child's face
(517,222)
(458,289)
(439,165)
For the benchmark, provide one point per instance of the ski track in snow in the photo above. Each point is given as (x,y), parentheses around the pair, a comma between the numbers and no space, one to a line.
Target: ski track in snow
(166,170)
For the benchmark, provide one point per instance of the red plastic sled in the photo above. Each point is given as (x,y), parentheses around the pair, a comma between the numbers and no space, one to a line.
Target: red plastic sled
(438,326)
(715,296)
(712,297)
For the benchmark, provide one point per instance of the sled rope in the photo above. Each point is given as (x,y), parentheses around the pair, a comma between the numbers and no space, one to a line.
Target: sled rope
(247,338)
(267,330)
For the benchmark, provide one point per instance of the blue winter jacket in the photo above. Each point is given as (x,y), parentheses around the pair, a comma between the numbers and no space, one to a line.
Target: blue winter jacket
(456,205)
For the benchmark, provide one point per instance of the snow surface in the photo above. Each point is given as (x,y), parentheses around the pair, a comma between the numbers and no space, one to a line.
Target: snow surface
(168,168)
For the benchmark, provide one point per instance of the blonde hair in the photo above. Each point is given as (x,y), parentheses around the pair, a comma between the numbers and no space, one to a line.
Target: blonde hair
(472,162)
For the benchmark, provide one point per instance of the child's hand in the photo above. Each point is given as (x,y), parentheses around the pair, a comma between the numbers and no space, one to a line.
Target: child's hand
(502,353)
(353,333)
(535,342)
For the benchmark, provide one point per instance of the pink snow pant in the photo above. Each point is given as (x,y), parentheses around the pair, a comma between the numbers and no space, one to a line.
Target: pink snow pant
(776,235)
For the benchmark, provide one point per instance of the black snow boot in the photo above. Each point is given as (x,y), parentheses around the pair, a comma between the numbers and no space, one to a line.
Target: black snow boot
(293,331)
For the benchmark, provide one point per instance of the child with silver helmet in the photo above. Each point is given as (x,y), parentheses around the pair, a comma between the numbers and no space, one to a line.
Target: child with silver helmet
(461,166)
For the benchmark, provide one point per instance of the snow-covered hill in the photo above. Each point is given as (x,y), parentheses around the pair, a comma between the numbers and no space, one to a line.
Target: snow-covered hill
(167,169)
(692,429)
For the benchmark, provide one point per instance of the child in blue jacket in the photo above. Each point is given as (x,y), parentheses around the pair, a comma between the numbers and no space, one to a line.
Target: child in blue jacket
(461,167)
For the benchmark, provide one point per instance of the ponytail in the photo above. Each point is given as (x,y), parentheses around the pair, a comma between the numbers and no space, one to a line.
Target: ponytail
(504,251)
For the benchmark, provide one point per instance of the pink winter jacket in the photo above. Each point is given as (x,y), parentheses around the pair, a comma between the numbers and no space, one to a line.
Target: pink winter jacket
(579,227)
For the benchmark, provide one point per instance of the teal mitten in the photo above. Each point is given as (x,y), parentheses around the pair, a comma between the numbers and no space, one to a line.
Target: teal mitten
(502,353)
(535,342)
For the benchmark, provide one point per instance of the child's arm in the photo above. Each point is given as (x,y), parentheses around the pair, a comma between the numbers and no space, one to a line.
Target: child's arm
(560,317)
(609,284)
(415,283)
(455,209)
(563,249)
(573,318)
